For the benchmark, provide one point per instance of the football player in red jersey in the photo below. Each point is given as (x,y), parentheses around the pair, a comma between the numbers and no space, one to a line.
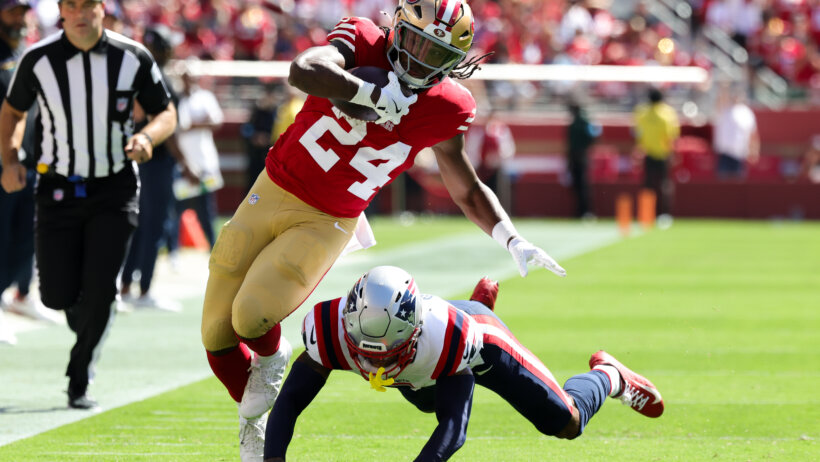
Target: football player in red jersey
(435,352)
(322,173)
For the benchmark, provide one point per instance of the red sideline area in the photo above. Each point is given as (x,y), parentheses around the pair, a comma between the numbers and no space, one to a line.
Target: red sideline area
(773,188)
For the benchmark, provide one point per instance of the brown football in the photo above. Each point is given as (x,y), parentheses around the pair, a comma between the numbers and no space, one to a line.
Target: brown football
(374,75)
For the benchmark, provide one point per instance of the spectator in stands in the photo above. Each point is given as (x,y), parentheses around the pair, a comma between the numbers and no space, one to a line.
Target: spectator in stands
(581,134)
(199,115)
(656,130)
(577,21)
(253,31)
(736,140)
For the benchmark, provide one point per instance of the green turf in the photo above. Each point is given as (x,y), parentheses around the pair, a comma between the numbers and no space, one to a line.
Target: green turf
(722,316)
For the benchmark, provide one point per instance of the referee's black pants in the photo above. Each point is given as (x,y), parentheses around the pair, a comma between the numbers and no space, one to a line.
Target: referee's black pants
(80,246)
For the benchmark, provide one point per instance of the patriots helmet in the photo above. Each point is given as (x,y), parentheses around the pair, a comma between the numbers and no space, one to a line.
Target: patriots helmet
(382,320)
(430,38)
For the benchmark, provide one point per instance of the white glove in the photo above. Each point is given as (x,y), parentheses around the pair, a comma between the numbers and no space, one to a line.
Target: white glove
(392,104)
(524,252)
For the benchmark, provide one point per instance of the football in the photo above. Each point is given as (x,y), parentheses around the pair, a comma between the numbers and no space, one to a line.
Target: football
(374,75)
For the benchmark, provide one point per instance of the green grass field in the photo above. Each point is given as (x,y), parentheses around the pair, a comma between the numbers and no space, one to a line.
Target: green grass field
(724,317)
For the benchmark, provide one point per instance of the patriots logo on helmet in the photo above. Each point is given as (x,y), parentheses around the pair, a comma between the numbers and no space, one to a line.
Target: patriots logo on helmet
(406,311)
(351,307)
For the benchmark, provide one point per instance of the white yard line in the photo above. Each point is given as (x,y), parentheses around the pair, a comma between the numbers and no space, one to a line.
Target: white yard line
(150,352)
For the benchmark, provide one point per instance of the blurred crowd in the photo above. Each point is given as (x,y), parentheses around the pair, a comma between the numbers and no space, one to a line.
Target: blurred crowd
(781,34)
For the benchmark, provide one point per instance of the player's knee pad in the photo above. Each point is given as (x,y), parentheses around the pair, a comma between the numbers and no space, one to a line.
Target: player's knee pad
(231,251)
(254,314)
(218,334)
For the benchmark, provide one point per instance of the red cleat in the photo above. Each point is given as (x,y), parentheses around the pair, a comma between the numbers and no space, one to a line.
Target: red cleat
(486,291)
(636,390)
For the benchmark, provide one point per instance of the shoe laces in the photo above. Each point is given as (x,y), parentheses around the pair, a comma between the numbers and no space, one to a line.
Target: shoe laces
(633,397)
(266,374)
(257,377)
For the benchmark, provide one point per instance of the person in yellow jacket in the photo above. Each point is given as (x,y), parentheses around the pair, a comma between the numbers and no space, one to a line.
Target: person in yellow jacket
(286,113)
(656,130)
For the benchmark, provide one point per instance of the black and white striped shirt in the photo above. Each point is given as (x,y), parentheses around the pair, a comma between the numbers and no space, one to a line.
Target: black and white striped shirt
(86,100)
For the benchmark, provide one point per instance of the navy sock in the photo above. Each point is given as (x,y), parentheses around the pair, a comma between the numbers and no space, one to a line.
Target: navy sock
(589,392)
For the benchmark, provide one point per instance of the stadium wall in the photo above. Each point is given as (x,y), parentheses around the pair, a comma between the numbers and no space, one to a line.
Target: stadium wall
(538,183)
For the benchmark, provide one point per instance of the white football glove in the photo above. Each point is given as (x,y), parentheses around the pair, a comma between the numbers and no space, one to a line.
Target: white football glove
(524,252)
(392,104)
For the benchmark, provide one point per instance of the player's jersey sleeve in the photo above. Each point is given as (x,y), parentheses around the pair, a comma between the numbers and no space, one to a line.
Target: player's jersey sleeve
(450,341)
(322,334)
(442,112)
(460,344)
(364,38)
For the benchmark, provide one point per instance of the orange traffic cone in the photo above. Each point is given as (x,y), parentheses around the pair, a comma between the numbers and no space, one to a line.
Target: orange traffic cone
(190,231)
(646,208)
(623,213)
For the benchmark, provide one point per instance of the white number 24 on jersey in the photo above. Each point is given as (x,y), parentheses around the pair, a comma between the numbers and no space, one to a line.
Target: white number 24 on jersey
(376,176)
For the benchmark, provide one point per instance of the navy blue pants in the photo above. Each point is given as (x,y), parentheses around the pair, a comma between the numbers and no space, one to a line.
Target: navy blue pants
(17,236)
(512,372)
(156,198)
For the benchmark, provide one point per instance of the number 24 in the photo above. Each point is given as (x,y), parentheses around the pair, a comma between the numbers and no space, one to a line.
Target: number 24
(376,176)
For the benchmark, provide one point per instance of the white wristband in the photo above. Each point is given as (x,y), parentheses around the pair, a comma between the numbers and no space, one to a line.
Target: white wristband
(362,97)
(503,232)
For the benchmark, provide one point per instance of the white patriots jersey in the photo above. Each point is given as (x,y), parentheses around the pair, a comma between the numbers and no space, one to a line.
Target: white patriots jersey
(450,341)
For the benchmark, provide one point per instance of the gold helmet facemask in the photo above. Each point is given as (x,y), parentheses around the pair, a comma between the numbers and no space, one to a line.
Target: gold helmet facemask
(430,38)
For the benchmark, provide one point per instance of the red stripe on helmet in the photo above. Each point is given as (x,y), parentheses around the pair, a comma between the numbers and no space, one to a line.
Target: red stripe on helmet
(442,8)
(456,12)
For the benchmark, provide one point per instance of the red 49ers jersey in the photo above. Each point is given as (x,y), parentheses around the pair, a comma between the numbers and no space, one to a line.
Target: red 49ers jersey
(450,341)
(338,164)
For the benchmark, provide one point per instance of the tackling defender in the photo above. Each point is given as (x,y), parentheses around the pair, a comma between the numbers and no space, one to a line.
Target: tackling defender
(323,172)
(435,351)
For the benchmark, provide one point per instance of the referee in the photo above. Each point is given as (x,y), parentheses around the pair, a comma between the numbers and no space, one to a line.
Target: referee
(85,80)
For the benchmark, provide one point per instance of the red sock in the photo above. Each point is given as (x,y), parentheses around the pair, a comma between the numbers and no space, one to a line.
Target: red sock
(267,344)
(231,369)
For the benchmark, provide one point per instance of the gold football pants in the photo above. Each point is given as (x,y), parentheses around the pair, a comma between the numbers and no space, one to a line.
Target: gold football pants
(266,261)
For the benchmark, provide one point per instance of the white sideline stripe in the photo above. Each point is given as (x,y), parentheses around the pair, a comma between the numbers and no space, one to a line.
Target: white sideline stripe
(170,355)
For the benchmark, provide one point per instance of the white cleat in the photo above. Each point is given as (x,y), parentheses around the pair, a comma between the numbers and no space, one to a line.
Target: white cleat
(265,381)
(33,308)
(252,438)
